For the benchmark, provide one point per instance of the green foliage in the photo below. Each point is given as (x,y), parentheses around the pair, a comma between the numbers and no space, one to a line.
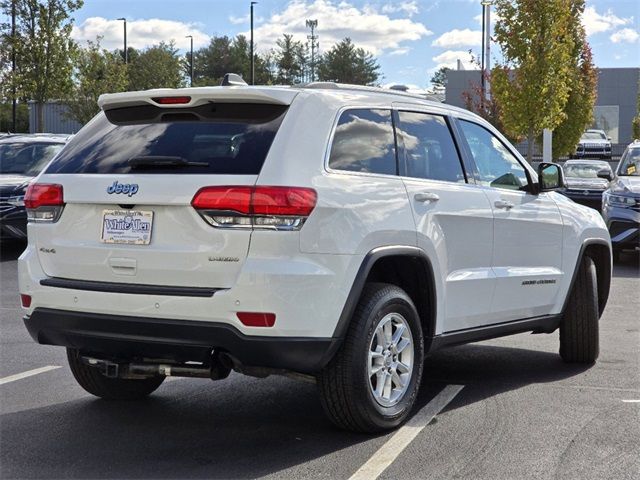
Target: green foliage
(533,84)
(290,60)
(6,118)
(97,71)
(346,63)
(158,66)
(439,78)
(578,111)
(44,49)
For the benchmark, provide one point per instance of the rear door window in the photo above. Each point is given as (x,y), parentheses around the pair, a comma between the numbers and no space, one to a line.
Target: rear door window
(364,142)
(429,151)
(216,138)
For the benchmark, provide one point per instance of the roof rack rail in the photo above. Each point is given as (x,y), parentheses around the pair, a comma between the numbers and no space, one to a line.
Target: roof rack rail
(361,88)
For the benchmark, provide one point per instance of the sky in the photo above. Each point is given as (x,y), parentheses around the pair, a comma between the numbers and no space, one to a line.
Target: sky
(410,38)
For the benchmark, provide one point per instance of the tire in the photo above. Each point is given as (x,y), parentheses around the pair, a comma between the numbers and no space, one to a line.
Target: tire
(107,388)
(350,397)
(579,336)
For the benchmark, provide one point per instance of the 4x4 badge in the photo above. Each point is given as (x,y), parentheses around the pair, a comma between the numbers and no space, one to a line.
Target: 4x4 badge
(127,188)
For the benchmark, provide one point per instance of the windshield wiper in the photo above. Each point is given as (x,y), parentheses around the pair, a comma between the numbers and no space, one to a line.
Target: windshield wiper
(163,161)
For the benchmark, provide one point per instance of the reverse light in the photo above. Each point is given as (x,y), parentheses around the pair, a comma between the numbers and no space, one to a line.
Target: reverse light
(273,208)
(254,319)
(44,202)
(172,100)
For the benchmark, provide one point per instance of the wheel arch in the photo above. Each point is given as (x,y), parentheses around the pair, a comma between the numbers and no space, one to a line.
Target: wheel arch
(405,266)
(599,250)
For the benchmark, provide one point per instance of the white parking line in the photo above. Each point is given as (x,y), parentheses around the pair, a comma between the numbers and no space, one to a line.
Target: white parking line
(28,373)
(386,454)
(631,401)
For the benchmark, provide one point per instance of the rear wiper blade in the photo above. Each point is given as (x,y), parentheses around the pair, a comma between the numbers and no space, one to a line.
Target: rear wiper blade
(163,161)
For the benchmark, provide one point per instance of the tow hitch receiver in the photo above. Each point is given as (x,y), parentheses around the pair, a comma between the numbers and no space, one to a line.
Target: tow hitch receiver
(134,370)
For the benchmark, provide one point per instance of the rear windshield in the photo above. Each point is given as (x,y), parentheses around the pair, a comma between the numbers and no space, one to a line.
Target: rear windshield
(26,158)
(216,138)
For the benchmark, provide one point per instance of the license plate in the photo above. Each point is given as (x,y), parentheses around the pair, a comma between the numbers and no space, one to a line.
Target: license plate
(130,227)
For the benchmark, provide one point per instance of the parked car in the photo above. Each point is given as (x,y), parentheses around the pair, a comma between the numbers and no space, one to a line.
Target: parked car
(337,232)
(593,144)
(22,157)
(621,202)
(586,180)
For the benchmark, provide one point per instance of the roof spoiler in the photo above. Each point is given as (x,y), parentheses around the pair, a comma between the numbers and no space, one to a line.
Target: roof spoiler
(233,80)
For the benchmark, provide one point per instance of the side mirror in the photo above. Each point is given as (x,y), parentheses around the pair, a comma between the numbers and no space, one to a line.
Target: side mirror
(606,174)
(609,138)
(550,177)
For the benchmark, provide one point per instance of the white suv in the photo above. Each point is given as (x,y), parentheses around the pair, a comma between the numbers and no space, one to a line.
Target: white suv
(328,231)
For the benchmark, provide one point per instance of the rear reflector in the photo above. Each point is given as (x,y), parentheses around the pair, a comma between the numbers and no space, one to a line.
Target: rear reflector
(171,100)
(43,194)
(26,300)
(252,319)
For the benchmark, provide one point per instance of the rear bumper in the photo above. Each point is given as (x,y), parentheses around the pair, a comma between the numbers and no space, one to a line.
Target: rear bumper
(126,337)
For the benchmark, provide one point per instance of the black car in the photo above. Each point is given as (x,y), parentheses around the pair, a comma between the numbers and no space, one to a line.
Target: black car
(586,181)
(22,157)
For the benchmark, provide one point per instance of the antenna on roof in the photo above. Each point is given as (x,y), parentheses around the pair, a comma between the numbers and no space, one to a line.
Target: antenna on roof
(233,80)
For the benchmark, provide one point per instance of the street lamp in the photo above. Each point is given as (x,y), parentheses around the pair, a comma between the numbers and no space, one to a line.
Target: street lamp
(486,39)
(126,54)
(191,58)
(252,59)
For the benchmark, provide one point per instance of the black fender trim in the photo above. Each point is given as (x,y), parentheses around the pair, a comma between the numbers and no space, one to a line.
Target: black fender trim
(602,298)
(361,277)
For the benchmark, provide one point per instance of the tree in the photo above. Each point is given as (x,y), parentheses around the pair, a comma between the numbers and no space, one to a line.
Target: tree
(6,118)
(225,55)
(346,63)
(439,78)
(578,111)
(158,66)
(44,50)
(290,60)
(533,83)
(97,71)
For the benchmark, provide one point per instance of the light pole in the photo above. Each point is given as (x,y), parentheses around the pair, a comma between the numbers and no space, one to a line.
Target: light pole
(126,54)
(191,59)
(253,73)
(486,40)
(312,24)
(14,107)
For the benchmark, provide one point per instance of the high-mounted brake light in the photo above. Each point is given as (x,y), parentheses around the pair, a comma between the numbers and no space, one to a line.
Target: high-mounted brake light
(171,100)
(276,208)
(44,202)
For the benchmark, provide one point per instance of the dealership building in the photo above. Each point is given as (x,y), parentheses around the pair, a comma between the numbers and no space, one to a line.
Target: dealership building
(615,107)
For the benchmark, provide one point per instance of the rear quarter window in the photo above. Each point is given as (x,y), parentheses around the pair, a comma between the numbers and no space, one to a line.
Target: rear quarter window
(364,142)
(213,139)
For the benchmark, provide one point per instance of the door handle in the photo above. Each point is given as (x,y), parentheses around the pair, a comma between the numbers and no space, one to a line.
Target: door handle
(426,197)
(503,204)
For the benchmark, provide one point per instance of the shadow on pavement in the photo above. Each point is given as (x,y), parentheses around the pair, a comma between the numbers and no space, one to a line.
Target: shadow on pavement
(235,428)
(628,265)
(11,250)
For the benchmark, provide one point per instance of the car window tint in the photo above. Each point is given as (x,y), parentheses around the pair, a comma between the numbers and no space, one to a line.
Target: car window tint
(364,142)
(497,166)
(215,138)
(429,151)
(26,158)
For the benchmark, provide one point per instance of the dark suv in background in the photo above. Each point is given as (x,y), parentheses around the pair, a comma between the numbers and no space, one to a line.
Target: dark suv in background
(22,158)
(621,202)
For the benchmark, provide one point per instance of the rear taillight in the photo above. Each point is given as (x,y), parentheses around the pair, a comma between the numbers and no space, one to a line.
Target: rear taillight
(275,208)
(44,202)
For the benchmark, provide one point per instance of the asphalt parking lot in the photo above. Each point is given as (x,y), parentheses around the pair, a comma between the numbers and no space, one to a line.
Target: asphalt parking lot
(516,411)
